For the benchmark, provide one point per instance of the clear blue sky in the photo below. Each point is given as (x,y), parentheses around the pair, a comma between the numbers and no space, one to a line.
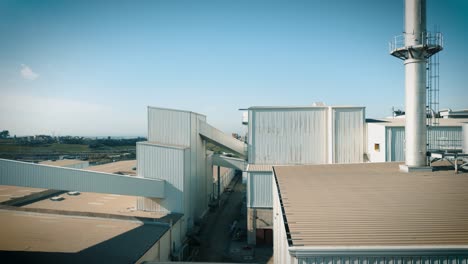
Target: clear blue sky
(91,67)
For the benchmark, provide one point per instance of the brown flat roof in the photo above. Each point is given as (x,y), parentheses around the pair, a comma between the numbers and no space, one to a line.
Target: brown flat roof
(61,163)
(373,204)
(52,238)
(125,167)
(96,203)
(100,202)
(8,192)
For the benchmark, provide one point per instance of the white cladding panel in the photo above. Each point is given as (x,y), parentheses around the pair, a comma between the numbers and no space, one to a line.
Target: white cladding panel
(259,189)
(348,133)
(376,144)
(403,259)
(198,170)
(280,242)
(465,138)
(395,144)
(167,163)
(165,247)
(51,177)
(168,126)
(225,178)
(443,138)
(209,174)
(288,136)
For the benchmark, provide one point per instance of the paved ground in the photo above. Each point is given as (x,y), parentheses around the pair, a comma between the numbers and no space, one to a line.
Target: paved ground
(215,233)
(217,244)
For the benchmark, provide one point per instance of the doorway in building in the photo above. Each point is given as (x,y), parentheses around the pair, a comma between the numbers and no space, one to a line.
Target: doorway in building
(265,237)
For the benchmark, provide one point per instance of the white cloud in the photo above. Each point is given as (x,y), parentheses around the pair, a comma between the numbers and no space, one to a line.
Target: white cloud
(27,73)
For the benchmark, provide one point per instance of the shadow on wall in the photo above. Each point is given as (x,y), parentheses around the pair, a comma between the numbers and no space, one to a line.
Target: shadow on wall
(124,248)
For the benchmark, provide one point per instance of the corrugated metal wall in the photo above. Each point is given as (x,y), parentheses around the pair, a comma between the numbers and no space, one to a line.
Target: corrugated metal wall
(165,247)
(199,192)
(348,135)
(168,126)
(175,127)
(259,190)
(395,144)
(288,136)
(383,260)
(226,177)
(59,178)
(280,242)
(166,163)
(444,138)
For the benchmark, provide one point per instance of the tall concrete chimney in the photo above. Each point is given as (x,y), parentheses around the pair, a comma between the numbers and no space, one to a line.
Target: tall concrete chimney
(415,46)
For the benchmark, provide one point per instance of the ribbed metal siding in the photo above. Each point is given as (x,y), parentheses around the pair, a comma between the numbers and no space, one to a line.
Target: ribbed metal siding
(395,144)
(291,136)
(259,188)
(465,138)
(51,177)
(385,260)
(348,135)
(280,242)
(166,163)
(444,138)
(169,126)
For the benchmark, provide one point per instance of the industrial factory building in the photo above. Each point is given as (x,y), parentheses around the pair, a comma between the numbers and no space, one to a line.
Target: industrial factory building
(291,136)
(369,213)
(42,230)
(311,191)
(386,137)
(171,190)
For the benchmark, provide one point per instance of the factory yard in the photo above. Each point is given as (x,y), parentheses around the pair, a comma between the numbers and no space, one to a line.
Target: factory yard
(219,242)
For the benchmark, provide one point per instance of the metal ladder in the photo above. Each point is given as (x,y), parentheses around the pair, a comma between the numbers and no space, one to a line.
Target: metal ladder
(432,91)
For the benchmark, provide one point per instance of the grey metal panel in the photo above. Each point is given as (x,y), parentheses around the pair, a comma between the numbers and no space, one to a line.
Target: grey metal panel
(441,137)
(348,135)
(59,178)
(288,136)
(384,259)
(259,188)
(226,178)
(395,144)
(198,167)
(168,126)
(250,149)
(445,138)
(218,137)
(465,138)
(166,163)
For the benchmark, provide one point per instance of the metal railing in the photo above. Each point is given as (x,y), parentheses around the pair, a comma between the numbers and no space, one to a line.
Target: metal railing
(428,39)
